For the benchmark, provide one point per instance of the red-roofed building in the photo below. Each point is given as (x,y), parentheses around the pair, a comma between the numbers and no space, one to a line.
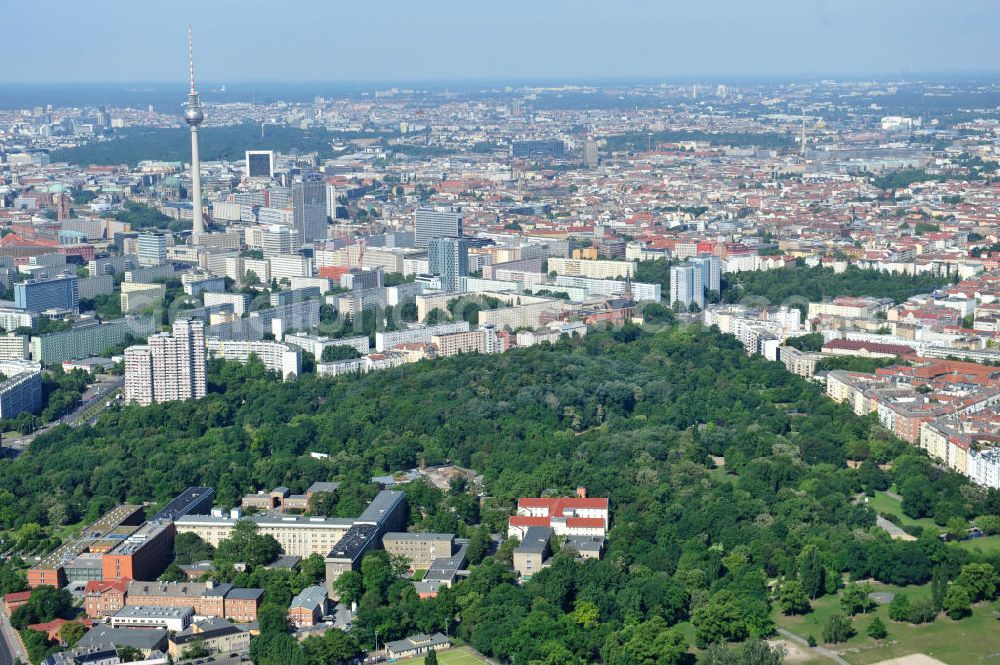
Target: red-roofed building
(851,347)
(104,598)
(51,628)
(12,601)
(566,516)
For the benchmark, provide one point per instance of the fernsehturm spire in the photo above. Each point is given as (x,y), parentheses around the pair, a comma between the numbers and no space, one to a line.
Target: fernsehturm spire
(194,117)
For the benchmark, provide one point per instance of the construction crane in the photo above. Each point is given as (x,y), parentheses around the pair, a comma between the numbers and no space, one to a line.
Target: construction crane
(361,253)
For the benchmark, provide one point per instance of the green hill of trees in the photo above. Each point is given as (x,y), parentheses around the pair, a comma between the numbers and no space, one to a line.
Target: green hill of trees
(634,416)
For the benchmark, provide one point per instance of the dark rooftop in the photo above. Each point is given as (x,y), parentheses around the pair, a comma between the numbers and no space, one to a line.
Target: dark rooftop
(191,499)
(354,543)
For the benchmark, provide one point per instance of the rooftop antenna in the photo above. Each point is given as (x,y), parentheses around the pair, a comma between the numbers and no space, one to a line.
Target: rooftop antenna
(191,58)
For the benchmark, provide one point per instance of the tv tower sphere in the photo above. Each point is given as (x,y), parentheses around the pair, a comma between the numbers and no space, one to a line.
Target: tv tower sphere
(194,115)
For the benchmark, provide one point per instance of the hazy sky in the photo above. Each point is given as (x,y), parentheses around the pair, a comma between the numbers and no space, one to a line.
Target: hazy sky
(507,40)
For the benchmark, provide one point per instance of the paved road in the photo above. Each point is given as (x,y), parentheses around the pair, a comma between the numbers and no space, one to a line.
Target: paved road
(820,650)
(10,646)
(97,392)
(892,529)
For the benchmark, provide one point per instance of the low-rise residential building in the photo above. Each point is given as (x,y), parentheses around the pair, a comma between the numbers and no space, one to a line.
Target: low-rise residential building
(284,359)
(308,607)
(566,516)
(850,308)
(214,635)
(373,362)
(174,619)
(595,269)
(799,362)
(316,345)
(418,333)
(483,340)
(416,645)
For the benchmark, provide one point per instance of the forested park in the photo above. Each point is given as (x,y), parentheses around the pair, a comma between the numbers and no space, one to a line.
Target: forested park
(733,487)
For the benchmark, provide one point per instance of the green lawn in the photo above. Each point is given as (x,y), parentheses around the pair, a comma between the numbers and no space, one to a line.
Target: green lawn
(457,656)
(975,639)
(985,545)
(883,503)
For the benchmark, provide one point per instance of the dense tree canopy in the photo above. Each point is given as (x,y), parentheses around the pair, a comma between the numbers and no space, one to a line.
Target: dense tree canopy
(725,473)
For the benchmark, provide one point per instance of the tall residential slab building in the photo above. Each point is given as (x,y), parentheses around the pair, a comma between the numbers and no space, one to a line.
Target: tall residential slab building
(309,209)
(436,223)
(686,286)
(171,366)
(448,258)
(711,271)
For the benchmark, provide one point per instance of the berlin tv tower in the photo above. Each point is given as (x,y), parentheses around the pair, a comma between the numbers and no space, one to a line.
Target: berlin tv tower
(194,117)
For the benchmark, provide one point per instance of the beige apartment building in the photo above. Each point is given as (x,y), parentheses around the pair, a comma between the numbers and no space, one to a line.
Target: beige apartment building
(419,548)
(587,268)
(297,535)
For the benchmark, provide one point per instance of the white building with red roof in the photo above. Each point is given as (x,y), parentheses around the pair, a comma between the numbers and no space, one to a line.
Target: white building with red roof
(566,516)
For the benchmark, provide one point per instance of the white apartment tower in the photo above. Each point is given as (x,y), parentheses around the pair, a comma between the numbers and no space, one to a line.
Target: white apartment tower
(686,286)
(170,367)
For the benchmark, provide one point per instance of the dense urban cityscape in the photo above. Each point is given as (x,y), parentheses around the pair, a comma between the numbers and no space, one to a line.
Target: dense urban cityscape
(689,370)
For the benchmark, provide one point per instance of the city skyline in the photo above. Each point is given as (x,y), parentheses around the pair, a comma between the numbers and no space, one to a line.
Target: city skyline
(597,40)
(551,334)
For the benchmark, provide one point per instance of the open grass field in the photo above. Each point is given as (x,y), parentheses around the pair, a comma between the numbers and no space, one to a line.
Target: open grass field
(975,639)
(456,656)
(883,503)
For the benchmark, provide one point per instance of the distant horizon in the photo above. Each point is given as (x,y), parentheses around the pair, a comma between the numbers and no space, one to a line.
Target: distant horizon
(168,96)
(597,80)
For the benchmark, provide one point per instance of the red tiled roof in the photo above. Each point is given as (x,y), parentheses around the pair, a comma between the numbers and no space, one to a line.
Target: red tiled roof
(100,586)
(857,345)
(524,520)
(559,505)
(49,626)
(585,522)
(17,597)
(16,240)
